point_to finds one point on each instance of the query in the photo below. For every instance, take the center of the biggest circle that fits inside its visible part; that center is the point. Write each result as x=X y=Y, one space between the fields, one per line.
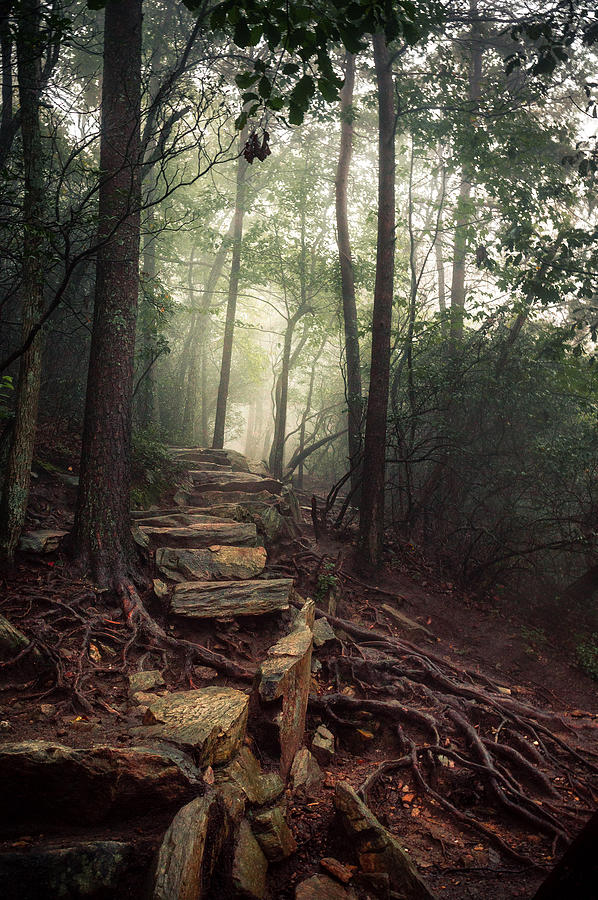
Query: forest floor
x=482 y=643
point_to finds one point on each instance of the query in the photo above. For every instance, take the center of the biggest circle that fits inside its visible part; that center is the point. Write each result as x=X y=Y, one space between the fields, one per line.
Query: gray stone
x=321 y=887
x=285 y=675
x=273 y=834
x=209 y=722
x=323 y=632
x=322 y=745
x=379 y=853
x=190 y=849
x=90 y=869
x=214 y=562
x=232 y=481
x=306 y=775
x=245 y=772
x=227 y=599
x=145 y=681
x=160 y=589
x=51 y=784
x=44 y=540
x=249 y=866
x=201 y=535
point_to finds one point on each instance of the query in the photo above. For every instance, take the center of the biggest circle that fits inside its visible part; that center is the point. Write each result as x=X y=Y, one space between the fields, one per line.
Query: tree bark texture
x=102 y=537
x=352 y=356
x=371 y=525
x=231 y=305
x=17 y=474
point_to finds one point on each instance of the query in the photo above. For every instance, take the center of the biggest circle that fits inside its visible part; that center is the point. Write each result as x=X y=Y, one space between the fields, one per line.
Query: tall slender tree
x=352 y=357
x=17 y=474
x=101 y=536
x=233 y=291
x=371 y=523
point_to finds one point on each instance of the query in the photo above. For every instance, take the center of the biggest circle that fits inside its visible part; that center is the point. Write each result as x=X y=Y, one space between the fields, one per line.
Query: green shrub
x=154 y=471
x=587 y=656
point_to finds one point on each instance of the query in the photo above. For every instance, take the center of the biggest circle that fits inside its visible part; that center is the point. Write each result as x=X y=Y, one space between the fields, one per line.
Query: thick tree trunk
x=146 y=403
x=102 y=537
x=17 y=476
x=231 y=305
x=352 y=357
x=465 y=188
x=371 y=525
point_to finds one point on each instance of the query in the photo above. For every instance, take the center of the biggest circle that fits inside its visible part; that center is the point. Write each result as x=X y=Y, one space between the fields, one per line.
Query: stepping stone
x=220 y=457
x=190 y=849
x=227 y=599
x=44 y=540
x=202 y=535
x=215 y=562
x=321 y=887
x=232 y=481
x=266 y=517
x=209 y=722
x=85 y=869
x=46 y=782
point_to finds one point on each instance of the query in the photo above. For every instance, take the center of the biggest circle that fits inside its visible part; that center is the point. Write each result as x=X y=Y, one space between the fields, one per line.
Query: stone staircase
x=218 y=820
x=215 y=552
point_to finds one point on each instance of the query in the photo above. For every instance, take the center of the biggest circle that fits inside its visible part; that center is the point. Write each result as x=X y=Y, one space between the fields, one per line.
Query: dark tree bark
x=101 y=538
x=371 y=525
x=276 y=458
x=17 y=475
x=352 y=357
x=231 y=304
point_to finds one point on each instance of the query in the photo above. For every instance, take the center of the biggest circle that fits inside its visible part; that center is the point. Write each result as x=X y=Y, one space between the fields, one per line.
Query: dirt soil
x=84 y=702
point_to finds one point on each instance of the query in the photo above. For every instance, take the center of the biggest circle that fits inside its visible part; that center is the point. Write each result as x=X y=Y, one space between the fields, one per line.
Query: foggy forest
x=298 y=449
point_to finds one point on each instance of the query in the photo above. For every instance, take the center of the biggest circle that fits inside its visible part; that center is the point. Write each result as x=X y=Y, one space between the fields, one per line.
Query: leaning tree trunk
x=353 y=364
x=371 y=524
x=17 y=474
x=102 y=537
x=231 y=305
x=276 y=459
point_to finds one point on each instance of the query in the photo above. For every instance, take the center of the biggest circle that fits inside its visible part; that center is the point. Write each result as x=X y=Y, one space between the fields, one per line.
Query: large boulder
x=191 y=848
x=213 y=562
x=51 y=784
x=92 y=870
x=201 y=535
x=210 y=723
x=273 y=834
x=283 y=682
x=378 y=851
x=227 y=599
x=43 y=540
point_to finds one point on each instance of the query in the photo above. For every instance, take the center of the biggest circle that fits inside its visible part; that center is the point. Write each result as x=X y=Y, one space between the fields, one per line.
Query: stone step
x=204 y=463
x=177 y=518
x=215 y=497
x=214 y=562
x=228 y=599
x=206 y=480
x=196 y=537
x=222 y=457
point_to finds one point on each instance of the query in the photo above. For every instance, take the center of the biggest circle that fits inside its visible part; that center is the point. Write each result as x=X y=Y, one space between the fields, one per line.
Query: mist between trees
x=370 y=262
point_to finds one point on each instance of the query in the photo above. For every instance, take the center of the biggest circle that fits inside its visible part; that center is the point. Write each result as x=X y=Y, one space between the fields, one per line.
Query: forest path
x=481 y=775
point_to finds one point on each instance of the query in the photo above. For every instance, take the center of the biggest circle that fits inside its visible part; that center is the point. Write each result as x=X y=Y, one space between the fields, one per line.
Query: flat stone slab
x=49 y=783
x=228 y=599
x=214 y=562
x=44 y=540
x=245 y=773
x=176 y=519
x=213 y=497
x=86 y=869
x=209 y=722
x=249 y=865
x=321 y=887
x=202 y=535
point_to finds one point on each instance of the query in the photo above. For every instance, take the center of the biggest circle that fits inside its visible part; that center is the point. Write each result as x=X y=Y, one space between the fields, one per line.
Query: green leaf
x=276 y=102
x=241 y=34
x=328 y=89
x=296 y=114
x=246 y=79
x=264 y=87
